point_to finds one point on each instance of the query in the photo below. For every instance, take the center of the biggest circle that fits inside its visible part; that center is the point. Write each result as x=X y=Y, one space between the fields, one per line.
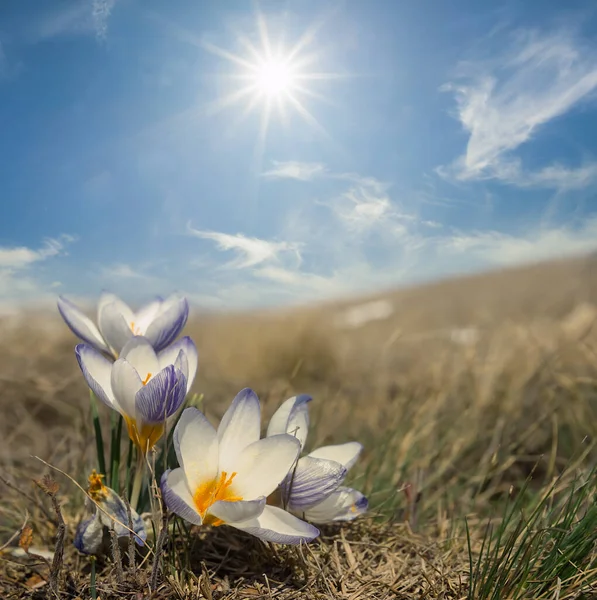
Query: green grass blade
x=99 y=440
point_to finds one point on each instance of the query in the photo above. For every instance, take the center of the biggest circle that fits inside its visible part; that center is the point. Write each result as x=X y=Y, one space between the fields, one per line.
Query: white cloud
x=123 y=271
x=250 y=251
x=101 y=10
x=19 y=257
x=503 y=103
x=498 y=248
x=293 y=169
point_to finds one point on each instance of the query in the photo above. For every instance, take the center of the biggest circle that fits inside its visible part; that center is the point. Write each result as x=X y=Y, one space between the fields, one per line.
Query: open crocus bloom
x=159 y=321
x=313 y=489
x=91 y=533
x=144 y=387
x=225 y=475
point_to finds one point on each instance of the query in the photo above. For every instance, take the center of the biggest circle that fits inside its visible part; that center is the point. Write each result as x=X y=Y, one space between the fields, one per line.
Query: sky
x=265 y=154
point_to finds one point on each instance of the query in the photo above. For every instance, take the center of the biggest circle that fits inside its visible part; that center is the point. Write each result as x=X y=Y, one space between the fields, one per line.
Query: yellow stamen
x=134 y=329
x=147 y=378
x=97 y=490
x=353 y=508
x=147 y=438
x=210 y=492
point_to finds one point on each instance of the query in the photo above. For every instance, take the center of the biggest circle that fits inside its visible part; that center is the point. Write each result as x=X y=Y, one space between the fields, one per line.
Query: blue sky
x=404 y=141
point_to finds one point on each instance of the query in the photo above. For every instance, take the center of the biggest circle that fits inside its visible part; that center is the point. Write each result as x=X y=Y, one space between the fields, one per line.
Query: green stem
x=129 y=464
x=138 y=481
x=99 y=440
x=92 y=586
x=115 y=454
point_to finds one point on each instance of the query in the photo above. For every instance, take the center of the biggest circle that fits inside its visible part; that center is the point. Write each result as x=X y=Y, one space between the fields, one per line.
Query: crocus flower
x=313 y=489
x=159 y=321
x=90 y=534
x=144 y=387
x=226 y=475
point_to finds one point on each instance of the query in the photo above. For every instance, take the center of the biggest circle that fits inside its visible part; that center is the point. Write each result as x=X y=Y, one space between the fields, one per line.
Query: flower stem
x=99 y=440
x=138 y=481
x=93 y=585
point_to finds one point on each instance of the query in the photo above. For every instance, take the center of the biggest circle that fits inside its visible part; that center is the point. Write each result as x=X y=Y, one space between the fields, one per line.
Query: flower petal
x=234 y=512
x=346 y=454
x=239 y=427
x=97 y=370
x=169 y=355
x=292 y=417
x=177 y=497
x=169 y=322
x=146 y=314
x=82 y=326
x=278 y=526
x=117 y=517
x=345 y=504
x=89 y=535
x=162 y=396
x=196 y=446
x=114 y=321
x=141 y=355
x=263 y=465
x=312 y=481
x=125 y=385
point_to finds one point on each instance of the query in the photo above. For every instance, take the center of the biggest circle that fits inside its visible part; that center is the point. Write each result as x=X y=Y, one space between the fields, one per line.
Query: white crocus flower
x=313 y=489
x=144 y=387
x=159 y=321
x=225 y=475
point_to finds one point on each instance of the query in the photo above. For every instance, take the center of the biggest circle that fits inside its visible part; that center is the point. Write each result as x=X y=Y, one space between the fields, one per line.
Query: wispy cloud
x=123 y=271
x=503 y=103
x=19 y=257
x=101 y=10
x=498 y=248
x=293 y=169
x=250 y=251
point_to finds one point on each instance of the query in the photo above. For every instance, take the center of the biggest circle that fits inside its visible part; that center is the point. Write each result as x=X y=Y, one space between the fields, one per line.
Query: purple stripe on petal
x=81 y=325
x=162 y=396
x=167 y=325
x=312 y=481
x=174 y=480
x=115 y=507
x=89 y=535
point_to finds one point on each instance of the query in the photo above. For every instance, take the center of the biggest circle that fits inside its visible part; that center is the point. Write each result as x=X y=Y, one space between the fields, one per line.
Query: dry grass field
x=478 y=461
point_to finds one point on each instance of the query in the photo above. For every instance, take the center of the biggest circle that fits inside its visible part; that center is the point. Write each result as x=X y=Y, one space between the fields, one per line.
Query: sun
x=273 y=78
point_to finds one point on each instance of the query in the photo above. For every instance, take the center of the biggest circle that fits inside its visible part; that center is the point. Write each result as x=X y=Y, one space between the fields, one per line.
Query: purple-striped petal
x=292 y=417
x=89 y=535
x=162 y=396
x=177 y=497
x=83 y=327
x=170 y=354
x=117 y=517
x=276 y=525
x=169 y=322
x=312 y=481
x=346 y=454
x=345 y=504
x=97 y=370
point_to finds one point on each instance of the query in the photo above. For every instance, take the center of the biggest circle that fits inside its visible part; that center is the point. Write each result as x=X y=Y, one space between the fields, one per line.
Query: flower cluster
x=134 y=364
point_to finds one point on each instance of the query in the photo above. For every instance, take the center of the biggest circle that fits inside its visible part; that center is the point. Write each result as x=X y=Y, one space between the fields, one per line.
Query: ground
x=475 y=401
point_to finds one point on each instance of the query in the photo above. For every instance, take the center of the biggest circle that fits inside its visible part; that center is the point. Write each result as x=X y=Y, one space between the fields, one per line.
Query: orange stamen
x=147 y=378
x=97 y=490
x=147 y=437
x=210 y=492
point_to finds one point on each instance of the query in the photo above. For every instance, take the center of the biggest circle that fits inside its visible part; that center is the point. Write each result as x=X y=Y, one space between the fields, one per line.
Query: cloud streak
x=293 y=169
x=503 y=104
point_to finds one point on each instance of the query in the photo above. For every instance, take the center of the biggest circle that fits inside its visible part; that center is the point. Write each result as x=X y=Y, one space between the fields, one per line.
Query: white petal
x=141 y=355
x=145 y=315
x=169 y=355
x=115 y=321
x=196 y=446
x=278 y=526
x=234 y=512
x=263 y=465
x=177 y=496
x=168 y=323
x=125 y=385
x=239 y=427
x=81 y=325
x=97 y=370
x=345 y=504
x=346 y=454
x=292 y=417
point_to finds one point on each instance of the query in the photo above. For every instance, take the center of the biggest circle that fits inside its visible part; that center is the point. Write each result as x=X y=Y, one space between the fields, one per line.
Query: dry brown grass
x=449 y=430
